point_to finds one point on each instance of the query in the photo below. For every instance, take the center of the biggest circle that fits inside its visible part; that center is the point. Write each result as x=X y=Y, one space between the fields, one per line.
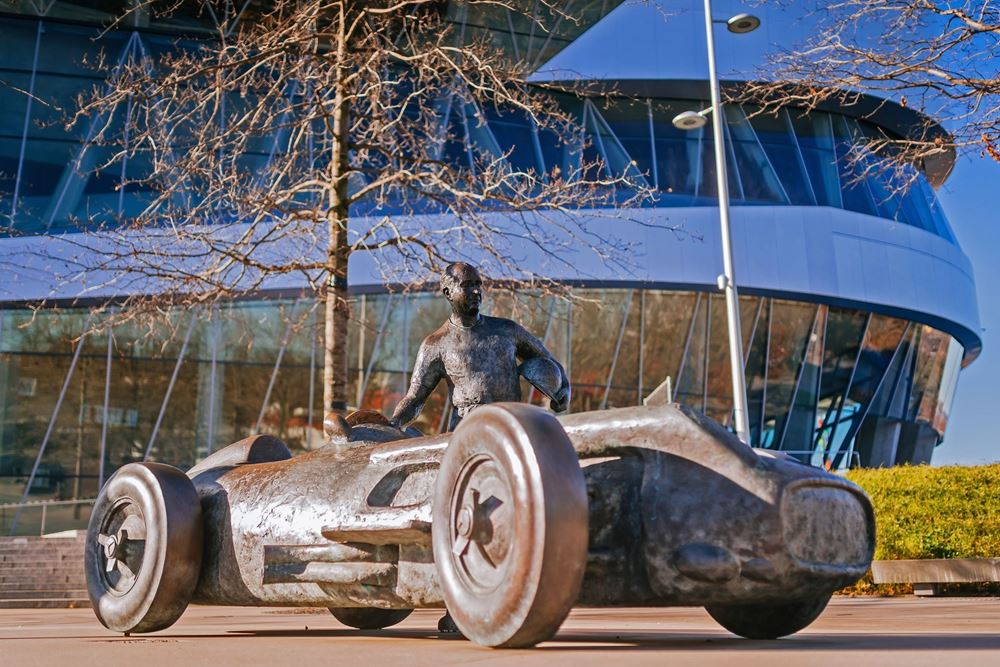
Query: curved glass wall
x=49 y=178
x=511 y=31
x=823 y=382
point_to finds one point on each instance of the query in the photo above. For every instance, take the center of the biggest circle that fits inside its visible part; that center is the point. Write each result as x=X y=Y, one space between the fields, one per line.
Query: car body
x=517 y=515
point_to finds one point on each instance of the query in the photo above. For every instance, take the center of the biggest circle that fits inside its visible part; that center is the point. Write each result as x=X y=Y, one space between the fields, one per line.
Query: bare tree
x=939 y=58
x=327 y=128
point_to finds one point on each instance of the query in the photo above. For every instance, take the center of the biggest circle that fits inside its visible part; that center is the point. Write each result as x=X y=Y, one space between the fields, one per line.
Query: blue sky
x=970 y=200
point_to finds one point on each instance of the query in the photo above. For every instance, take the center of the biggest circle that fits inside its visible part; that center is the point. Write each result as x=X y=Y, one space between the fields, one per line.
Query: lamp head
x=743 y=23
x=689 y=120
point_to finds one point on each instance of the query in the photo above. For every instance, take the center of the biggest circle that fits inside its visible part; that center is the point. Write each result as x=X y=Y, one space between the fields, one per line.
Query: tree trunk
x=336 y=306
x=337 y=314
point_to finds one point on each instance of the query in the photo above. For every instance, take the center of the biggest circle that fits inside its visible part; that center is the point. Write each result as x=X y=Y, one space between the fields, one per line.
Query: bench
x=928 y=575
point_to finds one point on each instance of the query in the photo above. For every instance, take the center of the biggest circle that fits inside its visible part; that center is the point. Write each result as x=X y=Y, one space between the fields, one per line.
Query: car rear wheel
x=768 y=621
x=510 y=525
x=144 y=548
x=369 y=618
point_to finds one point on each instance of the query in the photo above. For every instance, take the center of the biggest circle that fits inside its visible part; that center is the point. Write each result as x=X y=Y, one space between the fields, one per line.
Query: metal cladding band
x=510 y=516
x=144 y=548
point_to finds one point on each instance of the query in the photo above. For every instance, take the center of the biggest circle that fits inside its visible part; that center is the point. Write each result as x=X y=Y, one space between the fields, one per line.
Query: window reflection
x=785 y=158
x=814 y=374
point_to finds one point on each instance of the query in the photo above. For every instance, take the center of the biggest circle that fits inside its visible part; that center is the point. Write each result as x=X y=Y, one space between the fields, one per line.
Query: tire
x=510 y=564
x=144 y=548
x=768 y=621
x=369 y=618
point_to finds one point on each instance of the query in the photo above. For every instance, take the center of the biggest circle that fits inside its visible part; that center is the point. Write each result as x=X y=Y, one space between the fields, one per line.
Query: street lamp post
x=690 y=120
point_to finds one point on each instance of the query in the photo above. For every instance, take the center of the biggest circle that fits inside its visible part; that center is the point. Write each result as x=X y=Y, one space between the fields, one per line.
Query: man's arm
x=427 y=372
x=529 y=347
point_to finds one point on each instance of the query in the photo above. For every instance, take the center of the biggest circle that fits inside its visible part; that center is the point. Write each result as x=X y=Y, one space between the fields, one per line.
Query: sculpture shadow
x=613 y=641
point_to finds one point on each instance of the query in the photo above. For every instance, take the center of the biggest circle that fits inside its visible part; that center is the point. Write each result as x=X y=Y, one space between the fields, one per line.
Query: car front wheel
x=144 y=548
x=768 y=621
x=369 y=618
x=510 y=525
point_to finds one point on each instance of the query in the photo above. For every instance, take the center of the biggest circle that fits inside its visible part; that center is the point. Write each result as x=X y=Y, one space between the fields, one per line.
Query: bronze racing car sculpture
x=508 y=522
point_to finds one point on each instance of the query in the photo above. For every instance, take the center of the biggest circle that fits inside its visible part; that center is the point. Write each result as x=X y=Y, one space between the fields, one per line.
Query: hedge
x=925 y=512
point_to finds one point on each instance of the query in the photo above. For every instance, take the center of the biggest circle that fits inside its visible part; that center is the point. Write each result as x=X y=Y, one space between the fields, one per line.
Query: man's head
x=463 y=287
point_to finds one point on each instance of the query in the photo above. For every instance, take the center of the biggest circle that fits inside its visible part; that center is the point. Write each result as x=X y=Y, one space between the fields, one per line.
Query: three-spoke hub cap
x=481 y=523
x=123 y=541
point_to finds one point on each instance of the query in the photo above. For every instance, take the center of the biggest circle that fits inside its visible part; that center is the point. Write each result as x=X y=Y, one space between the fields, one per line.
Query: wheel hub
x=464 y=522
x=122 y=540
x=481 y=523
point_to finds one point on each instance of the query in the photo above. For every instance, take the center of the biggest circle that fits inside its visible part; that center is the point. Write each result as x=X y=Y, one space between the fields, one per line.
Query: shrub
x=924 y=512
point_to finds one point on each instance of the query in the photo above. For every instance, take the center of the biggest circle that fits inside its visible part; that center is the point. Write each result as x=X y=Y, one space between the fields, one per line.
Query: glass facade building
x=833 y=379
x=49 y=180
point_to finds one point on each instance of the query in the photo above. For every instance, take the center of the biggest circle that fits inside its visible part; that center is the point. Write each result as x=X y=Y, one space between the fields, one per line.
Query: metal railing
x=851 y=459
x=14 y=509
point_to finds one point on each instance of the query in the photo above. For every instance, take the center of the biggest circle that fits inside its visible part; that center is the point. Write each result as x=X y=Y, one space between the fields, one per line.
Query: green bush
x=924 y=512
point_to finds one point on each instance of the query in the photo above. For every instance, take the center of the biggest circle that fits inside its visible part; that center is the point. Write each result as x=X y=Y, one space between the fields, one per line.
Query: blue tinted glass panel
x=886 y=199
x=775 y=135
x=481 y=140
x=886 y=181
x=630 y=124
x=791 y=170
x=79 y=51
x=678 y=164
x=558 y=158
x=593 y=166
x=562 y=159
x=513 y=134
x=13 y=103
x=619 y=163
x=455 y=152
x=9 y=150
x=938 y=219
x=853 y=182
x=814 y=135
x=44 y=165
x=707 y=187
x=759 y=180
x=914 y=211
x=17 y=48
x=679 y=156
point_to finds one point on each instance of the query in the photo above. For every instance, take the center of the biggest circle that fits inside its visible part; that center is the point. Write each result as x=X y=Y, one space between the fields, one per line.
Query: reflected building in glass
x=857 y=304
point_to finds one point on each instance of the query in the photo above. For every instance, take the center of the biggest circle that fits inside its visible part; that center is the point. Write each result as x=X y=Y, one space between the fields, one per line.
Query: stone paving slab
x=854 y=632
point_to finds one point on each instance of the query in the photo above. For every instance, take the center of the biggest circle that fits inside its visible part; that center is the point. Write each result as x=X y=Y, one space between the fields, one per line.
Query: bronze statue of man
x=478 y=356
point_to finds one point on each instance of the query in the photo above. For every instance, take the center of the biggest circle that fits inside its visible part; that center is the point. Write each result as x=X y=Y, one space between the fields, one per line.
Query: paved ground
x=851 y=633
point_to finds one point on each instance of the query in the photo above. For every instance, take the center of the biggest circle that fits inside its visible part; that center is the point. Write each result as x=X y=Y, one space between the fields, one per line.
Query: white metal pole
x=727 y=281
